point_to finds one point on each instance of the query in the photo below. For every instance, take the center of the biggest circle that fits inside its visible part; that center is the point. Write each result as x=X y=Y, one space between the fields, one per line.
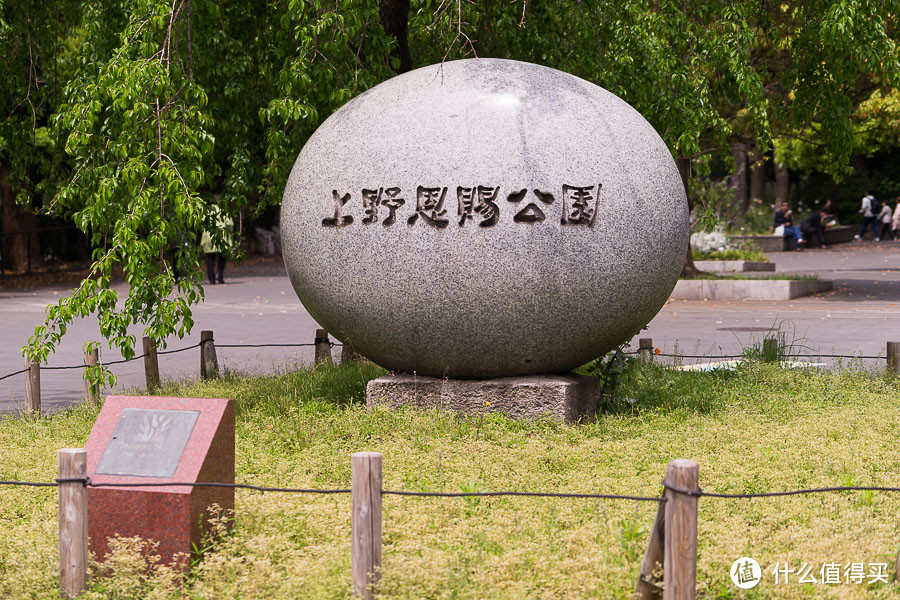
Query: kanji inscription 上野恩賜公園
x=478 y=200
x=386 y=197
x=474 y=203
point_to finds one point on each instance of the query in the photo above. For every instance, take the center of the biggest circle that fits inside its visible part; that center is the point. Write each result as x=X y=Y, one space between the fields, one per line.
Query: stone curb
x=747 y=289
x=733 y=266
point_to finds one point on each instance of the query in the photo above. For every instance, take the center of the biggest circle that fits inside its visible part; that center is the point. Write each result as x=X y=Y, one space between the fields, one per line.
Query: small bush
x=733 y=254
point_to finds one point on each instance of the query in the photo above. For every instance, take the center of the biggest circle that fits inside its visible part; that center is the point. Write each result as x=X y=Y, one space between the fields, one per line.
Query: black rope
x=87 y=482
x=333 y=344
x=112 y=362
x=31 y=483
x=700 y=492
x=720 y=357
x=263 y=345
x=7 y=376
x=834 y=356
x=786 y=356
x=533 y=494
x=197 y=345
x=245 y=486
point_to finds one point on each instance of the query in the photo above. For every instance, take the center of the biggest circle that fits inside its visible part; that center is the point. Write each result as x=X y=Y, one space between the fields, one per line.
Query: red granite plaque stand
x=172 y=516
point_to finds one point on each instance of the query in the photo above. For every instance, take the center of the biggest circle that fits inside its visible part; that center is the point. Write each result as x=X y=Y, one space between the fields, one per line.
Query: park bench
x=779 y=243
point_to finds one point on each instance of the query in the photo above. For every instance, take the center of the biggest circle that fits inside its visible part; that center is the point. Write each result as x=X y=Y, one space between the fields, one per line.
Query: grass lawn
x=753 y=430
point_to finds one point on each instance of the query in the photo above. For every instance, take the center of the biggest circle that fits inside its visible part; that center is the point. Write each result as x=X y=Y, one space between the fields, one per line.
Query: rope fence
x=700 y=493
x=673 y=535
x=209 y=364
x=771 y=350
x=117 y=362
x=323 y=345
x=786 y=355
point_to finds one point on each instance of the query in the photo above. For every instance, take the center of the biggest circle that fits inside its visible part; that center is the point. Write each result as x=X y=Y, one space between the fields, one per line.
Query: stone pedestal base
x=566 y=397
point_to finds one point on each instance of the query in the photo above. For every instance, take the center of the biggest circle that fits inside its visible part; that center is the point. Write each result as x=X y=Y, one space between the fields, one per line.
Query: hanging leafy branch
x=147 y=173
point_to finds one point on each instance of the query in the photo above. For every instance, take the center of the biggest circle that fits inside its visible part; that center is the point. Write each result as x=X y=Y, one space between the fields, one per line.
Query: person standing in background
x=884 y=220
x=869 y=211
x=896 y=221
x=215 y=257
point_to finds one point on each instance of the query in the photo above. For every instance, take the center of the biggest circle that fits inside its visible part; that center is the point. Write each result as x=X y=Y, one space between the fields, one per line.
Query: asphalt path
x=258 y=306
x=856 y=318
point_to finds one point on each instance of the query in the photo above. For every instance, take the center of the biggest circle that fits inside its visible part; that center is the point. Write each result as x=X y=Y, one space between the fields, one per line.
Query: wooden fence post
x=680 y=554
x=348 y=354
x=646 y=588
x=73 y=550
x=893 y=357
x=32 y=387
x=645 y=349
x=151 y=364
x=323 y=347
x=91 y=359
x=209 y=364
x=365 y=523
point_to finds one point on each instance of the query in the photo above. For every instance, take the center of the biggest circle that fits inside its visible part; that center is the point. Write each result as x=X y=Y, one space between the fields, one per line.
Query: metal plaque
x=147 y=443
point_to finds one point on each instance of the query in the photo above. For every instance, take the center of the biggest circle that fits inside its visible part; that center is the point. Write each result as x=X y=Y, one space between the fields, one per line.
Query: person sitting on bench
x=783 y=220
x=815 y=224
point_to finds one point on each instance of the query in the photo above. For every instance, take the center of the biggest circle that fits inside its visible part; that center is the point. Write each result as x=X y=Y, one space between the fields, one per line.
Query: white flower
x=709 y=242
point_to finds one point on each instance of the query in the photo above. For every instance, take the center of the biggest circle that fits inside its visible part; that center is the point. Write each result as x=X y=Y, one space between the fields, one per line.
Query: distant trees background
x=132 y=119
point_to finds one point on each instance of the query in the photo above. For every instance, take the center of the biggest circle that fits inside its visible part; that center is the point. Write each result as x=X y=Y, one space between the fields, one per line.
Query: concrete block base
x=569 y=398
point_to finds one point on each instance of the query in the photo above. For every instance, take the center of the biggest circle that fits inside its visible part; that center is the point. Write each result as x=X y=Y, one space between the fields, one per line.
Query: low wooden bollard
x=151 y=364
x=323 y=347
x=73 y=549
x=680 y=531
x=348 y=354
x=893 y=356
x=365 y=523
x=645 y=349
x=32 y=387
x=91 y=359
x=648 y=587
x=897 y=568
x=209 y=364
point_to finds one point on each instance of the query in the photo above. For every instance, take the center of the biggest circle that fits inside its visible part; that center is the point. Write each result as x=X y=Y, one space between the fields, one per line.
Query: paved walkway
x=258 y=305
x=857 y=317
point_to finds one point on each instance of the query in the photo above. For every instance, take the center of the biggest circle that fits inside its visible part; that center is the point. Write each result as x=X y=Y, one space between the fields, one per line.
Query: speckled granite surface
x=486 y=218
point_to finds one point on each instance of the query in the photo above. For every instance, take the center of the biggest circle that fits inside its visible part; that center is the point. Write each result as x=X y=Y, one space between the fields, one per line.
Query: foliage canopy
x=137 y=118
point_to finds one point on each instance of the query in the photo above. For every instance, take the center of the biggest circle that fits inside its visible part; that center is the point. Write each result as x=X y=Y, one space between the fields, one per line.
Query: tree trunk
x=739 y=178
x=689 y=270
x=19 y=251
x=757 y=176
x=394 y=19
x=782 y=183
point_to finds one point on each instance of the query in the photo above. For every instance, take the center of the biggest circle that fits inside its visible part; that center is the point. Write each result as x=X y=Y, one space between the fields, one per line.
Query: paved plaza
x=258 y=306
x=856 y=318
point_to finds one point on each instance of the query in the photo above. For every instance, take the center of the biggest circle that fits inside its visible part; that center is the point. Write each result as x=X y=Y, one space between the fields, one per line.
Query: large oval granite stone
x=487 y=218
